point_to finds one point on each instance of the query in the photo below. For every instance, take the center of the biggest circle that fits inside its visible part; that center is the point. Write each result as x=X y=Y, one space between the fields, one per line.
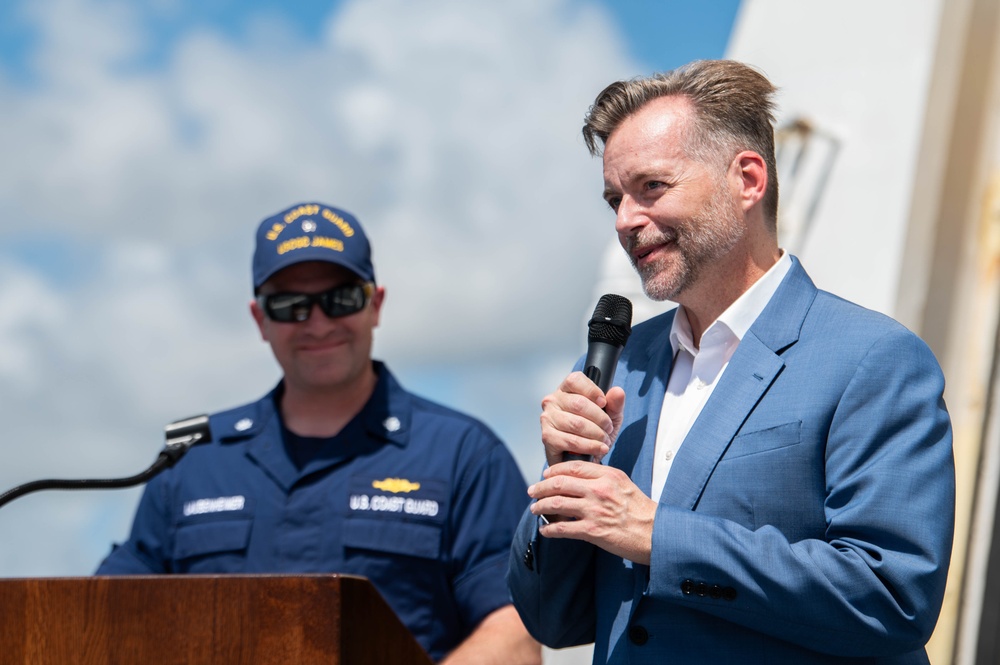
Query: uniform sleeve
x=144 y=553
x=490 y=497
x=875 y=583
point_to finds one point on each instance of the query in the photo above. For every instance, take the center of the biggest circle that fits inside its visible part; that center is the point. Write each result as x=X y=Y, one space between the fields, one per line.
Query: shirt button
x=669 y=455
x=638 y=635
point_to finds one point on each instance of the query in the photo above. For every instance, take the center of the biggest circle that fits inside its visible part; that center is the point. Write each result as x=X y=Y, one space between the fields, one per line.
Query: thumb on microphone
x=614 y=407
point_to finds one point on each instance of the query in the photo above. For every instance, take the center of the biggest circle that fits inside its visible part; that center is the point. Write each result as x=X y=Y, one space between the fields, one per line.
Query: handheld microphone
x=607 y=332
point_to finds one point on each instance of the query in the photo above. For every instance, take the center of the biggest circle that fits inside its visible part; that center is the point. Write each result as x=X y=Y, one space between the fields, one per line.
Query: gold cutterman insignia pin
x=395 y=485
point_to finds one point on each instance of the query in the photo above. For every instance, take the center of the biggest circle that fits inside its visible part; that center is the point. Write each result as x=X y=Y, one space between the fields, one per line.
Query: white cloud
x=450 y=128
x=28 y=308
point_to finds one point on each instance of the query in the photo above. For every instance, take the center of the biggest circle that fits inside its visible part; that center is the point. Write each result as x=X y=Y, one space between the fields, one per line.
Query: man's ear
x=378 y=297
x=749 y=173
x=259 y=318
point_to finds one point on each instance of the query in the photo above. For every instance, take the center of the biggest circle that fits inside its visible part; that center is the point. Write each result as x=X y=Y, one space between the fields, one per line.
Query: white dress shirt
x=697 y=368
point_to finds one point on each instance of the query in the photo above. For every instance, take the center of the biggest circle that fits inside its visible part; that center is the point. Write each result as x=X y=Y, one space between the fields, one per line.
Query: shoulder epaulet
x=241 y=422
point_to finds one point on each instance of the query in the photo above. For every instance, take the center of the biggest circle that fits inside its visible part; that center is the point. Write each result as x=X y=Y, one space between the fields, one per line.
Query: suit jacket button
x=701 y=589
x=638 y=635
x=715 y=592
x=687 y=587
x=529 y=557
x=729 y=593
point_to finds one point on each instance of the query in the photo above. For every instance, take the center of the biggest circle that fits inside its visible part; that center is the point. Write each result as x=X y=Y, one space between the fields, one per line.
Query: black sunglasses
x=296 y=307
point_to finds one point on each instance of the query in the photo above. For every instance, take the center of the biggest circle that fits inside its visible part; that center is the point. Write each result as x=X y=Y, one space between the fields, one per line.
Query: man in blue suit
x=776 y=481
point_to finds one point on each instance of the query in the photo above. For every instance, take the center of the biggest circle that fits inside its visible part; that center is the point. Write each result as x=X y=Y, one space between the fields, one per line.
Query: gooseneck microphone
x=180 y=435
x=607 y=332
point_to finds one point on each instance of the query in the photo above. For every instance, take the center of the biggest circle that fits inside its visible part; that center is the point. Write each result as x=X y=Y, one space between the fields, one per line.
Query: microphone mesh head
x=612 y=320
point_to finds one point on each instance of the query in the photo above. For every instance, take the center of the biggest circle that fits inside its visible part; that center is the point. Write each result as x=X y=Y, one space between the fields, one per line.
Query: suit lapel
x=751 y=371
x=645 y=384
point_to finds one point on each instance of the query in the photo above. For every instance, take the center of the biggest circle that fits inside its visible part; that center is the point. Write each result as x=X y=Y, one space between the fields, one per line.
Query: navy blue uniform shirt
x=420 y=499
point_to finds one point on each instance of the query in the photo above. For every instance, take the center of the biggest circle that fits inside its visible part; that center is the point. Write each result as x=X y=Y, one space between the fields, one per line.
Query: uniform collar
x=387 y=414
x=386 y=417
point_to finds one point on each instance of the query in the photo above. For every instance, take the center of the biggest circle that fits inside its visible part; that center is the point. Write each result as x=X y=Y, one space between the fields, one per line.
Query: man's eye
x=654 y=184
x=614 y=202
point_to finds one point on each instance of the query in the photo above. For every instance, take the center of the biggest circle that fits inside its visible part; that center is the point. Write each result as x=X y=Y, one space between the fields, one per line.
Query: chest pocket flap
x=212 y=537
x=764 y=440
x=393 y=536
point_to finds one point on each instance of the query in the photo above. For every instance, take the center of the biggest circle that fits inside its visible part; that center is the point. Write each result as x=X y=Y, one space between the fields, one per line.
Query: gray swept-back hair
x=733 y=111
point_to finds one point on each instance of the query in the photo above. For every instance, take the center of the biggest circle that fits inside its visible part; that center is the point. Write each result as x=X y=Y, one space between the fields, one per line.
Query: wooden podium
x=201 y=620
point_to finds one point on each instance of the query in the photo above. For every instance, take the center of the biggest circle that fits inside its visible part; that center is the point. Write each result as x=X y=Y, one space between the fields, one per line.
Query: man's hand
x=583 y=500
x=579 y=418
x=598 y=504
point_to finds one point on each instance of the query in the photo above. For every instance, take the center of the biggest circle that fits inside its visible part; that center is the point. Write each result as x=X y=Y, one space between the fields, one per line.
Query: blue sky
x=141 y=142
x=660 y=34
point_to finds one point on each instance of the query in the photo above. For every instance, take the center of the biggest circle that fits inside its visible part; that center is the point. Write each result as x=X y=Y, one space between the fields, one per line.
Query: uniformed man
x=339 y=469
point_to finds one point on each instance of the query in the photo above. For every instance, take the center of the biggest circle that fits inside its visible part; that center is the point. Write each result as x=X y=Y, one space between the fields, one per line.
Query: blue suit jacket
x=807 y=517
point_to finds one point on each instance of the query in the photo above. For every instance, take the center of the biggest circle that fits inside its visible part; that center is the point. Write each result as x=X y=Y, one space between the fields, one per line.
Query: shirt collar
x=733 y=323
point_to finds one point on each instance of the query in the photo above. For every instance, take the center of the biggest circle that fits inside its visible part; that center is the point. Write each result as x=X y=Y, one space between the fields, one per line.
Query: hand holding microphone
x=591 y=502
x=608 y=330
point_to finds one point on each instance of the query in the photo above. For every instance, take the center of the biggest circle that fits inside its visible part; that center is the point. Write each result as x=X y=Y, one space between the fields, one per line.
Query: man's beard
x=699 y=241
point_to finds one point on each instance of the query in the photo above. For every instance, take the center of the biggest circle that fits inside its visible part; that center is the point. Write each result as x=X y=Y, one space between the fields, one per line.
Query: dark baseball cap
x=311 y=232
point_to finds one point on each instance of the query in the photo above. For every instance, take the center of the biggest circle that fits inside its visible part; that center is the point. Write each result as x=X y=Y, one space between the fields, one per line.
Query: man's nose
x=630 y=217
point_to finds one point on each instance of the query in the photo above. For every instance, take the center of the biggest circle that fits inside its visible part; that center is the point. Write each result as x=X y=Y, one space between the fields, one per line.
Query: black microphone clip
x=182 y=434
